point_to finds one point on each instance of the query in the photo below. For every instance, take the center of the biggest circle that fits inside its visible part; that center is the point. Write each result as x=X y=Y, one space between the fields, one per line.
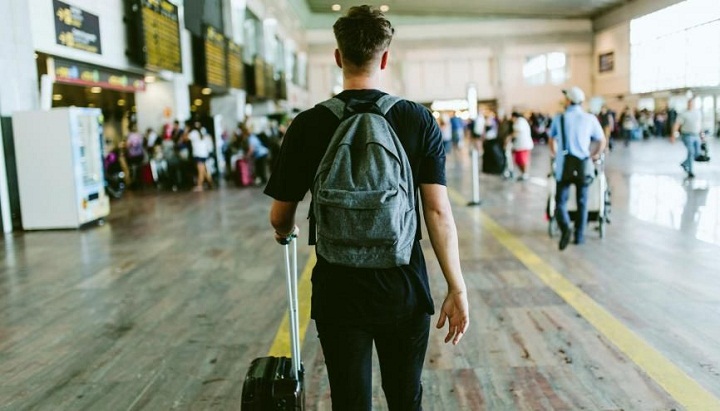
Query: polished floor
x=165 y=305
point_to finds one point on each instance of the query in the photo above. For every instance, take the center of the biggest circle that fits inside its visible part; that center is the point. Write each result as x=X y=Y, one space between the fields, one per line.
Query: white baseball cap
x=574 y=94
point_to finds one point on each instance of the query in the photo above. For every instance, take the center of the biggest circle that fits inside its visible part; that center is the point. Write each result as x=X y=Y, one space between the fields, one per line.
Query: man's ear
x=338 y=58
x=384 y=60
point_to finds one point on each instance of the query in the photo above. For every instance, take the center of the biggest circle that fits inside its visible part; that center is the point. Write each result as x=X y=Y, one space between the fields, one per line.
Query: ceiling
x=480 y=8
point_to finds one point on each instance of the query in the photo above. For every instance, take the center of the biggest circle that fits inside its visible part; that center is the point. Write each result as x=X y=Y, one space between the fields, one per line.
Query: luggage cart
x=599 y=205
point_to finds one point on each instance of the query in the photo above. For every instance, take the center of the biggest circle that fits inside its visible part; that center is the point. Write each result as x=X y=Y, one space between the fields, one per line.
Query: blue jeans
x=401 y=348
x=561 y=212
x=692 y=144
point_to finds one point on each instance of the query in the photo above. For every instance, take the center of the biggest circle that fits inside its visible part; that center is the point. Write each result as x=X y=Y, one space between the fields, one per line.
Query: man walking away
x=578 y=128
x=357 y=306
x=689 y=125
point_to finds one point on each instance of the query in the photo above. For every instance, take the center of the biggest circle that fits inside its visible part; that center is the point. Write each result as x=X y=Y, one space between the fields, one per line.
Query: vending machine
x=59 y=156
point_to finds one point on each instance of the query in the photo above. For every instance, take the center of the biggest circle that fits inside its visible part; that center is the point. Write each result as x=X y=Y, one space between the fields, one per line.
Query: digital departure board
x=215 y=66
x=156 y=44
x=236 y=68
x=269 y=81
x=260 y=88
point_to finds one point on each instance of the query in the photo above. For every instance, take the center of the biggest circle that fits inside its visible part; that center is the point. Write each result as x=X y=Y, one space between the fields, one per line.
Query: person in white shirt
x=478 y=131
x=201 y=151
x=689 y=125
x=522 y=144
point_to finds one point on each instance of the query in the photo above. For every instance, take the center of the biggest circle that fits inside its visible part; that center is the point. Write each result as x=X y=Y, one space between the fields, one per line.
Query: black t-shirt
x=360 y=295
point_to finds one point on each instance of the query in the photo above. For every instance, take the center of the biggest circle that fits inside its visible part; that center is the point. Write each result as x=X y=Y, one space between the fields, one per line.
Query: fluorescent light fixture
x=336 y=7
x=206 y=91
x=96 y=90
x=57 y=97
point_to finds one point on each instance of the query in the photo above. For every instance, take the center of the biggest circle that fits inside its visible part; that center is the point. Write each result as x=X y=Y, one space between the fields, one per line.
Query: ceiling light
x=96 y=90
x=206 y=91
x=336 y=7
x=198 y=102
x=121 y=102
x=384 y=8
x=149 y=79
x=57 y=97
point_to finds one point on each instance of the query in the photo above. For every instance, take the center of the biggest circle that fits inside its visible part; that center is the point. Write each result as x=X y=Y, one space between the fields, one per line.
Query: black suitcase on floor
x=493 y=158
x=276 y=383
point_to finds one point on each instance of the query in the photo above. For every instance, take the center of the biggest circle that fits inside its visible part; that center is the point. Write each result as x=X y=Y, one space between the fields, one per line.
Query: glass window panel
x=534 y=65
x=250 y=48
x=703 y=56
x=556 y=61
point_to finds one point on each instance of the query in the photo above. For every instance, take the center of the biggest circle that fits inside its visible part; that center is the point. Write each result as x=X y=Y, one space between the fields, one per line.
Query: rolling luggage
x=276 y=383
x=493 y=158
x=243 y=174
x=147 y=176
x=703 y=154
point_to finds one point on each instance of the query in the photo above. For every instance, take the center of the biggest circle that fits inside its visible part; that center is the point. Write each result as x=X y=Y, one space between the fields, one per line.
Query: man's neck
x=361 y=82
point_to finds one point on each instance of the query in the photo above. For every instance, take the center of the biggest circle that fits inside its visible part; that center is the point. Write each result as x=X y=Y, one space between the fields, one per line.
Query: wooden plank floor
x=164 y=306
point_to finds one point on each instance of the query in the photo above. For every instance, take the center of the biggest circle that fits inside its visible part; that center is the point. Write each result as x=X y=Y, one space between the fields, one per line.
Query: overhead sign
x=215 y=66
x=161 y=34
x=76 y=28
x=83 y=74
x=236 y=69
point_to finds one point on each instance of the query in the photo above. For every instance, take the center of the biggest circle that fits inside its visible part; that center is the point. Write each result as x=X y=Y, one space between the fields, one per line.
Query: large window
x=252 y=28
x=545 y=68
x=676 y=47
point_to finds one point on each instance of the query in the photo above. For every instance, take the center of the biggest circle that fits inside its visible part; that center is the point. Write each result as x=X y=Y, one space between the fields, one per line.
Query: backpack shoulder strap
x=386 y=102
x=335 y=105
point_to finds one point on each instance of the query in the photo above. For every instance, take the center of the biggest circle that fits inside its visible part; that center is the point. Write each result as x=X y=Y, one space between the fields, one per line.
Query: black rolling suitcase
x=493 y=159
x=276 y=383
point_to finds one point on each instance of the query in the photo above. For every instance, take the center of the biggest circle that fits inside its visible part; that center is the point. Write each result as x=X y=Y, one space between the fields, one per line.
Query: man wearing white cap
x=571 y=135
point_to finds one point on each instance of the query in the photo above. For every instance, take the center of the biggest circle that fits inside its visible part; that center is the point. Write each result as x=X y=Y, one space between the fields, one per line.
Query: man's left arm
x=597 y=135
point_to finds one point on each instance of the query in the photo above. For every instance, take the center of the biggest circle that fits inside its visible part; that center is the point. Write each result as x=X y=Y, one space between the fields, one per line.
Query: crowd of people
x=187 y=157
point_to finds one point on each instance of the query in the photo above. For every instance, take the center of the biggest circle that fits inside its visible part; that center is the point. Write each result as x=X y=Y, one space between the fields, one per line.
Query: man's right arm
x=443 y=237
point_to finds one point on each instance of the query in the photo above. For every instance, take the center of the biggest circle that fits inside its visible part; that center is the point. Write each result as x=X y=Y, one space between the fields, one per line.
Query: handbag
x=575 y=169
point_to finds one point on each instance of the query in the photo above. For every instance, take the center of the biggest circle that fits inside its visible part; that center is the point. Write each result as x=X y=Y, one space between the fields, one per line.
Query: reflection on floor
x=165 y=306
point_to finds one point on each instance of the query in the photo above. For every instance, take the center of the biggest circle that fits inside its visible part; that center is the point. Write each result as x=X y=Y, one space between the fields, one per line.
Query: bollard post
x=475 y=178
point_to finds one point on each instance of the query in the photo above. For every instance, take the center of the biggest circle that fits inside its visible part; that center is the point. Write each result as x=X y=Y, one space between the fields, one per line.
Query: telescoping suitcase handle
x=292 y=292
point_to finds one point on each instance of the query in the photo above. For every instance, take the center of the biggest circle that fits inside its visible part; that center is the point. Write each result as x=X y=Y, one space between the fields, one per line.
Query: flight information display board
x=158 y=43
x=215 y=67
x=236 y=68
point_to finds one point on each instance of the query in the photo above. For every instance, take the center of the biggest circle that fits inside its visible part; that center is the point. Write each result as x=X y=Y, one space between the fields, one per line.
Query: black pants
x=401 y=350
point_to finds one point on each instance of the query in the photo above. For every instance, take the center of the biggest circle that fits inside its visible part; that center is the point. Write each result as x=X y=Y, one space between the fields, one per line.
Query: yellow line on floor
x=281 y=344
x=686 y=391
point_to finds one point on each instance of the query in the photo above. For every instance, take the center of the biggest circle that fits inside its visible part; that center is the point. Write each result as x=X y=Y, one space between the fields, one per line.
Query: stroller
x=598 y=200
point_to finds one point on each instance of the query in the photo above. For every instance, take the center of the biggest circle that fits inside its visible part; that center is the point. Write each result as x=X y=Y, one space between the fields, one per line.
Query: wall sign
x=82 y=74
x=76 y=28
x=606 y=62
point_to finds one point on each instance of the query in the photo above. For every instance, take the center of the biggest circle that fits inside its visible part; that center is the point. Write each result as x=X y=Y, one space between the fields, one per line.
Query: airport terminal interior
x=138 y=264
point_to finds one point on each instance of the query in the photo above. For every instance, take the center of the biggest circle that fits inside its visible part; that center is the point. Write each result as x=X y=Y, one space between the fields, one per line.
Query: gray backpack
x=363 y=194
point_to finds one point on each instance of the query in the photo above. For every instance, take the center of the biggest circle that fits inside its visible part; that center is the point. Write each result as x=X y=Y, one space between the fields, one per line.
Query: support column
x=19 y=90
